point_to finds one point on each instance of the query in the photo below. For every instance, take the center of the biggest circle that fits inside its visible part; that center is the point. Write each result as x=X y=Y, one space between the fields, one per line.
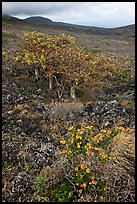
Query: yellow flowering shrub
x=60 y=55
x=87 y=149
x=53 y=54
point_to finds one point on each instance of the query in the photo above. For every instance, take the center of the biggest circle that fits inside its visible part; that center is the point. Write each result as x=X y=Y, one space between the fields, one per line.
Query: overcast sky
x=100 y=14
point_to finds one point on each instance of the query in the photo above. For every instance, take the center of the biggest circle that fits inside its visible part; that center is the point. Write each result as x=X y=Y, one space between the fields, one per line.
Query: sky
x=99 y=14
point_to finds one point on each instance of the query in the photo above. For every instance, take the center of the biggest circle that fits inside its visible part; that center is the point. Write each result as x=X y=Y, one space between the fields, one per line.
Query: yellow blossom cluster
x=71 y=128
x=83 y=148
x=62 y=141
x=53 y=53
x=103 y=155
x=78 y=137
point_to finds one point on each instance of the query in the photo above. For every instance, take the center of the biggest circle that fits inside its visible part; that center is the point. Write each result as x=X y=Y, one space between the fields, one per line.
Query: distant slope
x=44 y=21
x=38 y=20
x=125 y=31
x=11 y=19
x=128 y=30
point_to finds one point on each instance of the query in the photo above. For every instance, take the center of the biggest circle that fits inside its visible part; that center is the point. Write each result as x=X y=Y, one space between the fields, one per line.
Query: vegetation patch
x=56 y=148
x=9 y=35
x=64 y=64
x=82 y=152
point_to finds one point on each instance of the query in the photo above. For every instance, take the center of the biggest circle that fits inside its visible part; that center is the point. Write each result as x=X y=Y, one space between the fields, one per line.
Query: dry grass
x=126 y=103
x=53 y=173
x=123 y=151
x=121 y=172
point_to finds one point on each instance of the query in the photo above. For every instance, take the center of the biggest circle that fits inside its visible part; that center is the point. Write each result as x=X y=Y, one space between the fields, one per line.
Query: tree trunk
x=73 y=92
x=50 y=83
x=36 y=73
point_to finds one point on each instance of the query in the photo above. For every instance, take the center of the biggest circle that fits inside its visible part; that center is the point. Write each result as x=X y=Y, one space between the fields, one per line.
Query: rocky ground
x=31 y=121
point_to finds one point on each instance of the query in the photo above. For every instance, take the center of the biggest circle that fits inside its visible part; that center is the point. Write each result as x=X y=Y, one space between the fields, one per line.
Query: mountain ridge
x=127 y=31
x=43 y=21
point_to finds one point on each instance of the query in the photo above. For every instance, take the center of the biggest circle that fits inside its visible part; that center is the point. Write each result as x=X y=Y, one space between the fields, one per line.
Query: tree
x=59 y=56
x=50 y=55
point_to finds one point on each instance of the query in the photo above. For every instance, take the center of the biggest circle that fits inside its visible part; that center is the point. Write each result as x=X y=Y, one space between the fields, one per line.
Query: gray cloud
x=35 y=8
x=103 y=14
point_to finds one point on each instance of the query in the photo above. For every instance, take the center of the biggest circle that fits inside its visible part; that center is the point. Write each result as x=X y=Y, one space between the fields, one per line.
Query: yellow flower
x=88 y=144
x=95 y=148
x=78 y=137
x=42 y=57
x=103 y=131
x=121 y=128
x=109 y=132
x=28 y=61
x=79 y=130
x=98 y=136
x=94 y=182
x=62 y=152
x=88 y=170
x=92 y=177
x=90 y=147
x=78 y=145
x=84 y=185
x=80 y=190
x=71 y=128
x=110 y=158
x=62 y=141
x=72 y=141
x=105 y=188
x=76 y=169
x=102 y=179
x=103 y=156
x=17 y=58
x=70 y=152
x=87 y=152
x=83 y=166
x=76 y=174
x=89 y=127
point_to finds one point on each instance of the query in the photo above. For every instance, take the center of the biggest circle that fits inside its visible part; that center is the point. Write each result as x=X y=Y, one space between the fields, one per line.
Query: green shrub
x=39 y=185
x=94 y=49
x=123 y=74
x=8 y=35
x=61 y=192
x=58 y=193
